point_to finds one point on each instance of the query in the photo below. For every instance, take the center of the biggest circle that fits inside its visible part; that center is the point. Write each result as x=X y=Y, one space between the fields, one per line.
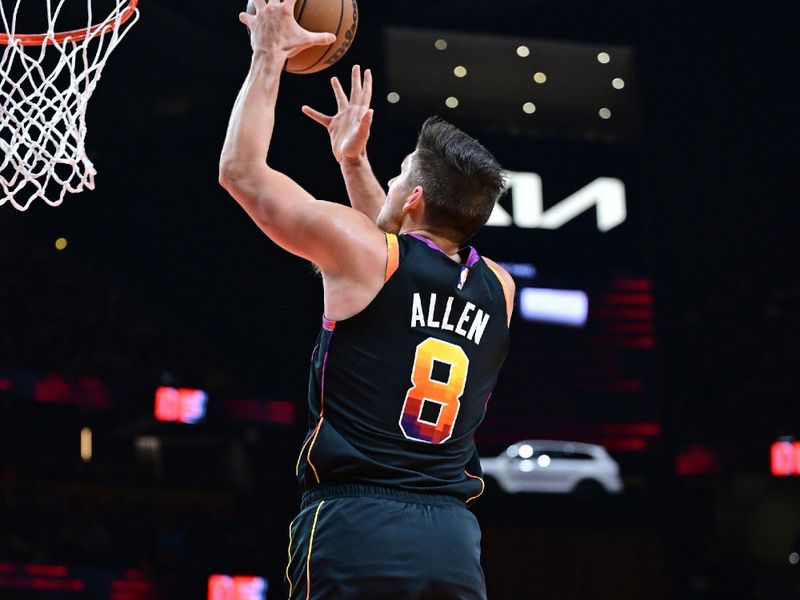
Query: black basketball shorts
x=363 y=542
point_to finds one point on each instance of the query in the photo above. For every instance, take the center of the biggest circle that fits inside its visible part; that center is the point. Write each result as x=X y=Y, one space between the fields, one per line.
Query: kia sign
x=605 y=193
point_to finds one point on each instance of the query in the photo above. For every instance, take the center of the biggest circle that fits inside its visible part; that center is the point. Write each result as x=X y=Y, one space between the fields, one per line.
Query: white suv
x=554 y=467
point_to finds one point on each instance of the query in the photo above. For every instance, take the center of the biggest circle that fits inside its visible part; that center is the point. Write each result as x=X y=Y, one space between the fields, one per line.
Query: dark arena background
x=154 y=345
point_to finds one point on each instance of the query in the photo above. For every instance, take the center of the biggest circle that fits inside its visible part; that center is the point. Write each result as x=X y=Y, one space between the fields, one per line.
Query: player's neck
x=442 y=243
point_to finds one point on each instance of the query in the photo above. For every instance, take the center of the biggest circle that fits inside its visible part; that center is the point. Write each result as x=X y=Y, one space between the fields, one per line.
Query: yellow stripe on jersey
x=311 y=447
x=300 y=456
x=483 y=486
x=392 y=255
x=289 y=560
x=310 y=546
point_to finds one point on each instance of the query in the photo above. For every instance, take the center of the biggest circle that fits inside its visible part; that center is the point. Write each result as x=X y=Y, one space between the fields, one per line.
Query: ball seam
x=328 y=49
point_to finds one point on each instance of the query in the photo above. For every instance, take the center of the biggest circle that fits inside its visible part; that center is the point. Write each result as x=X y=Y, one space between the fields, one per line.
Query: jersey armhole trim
x=392 y=256
x=504 y=285
x=483 y=486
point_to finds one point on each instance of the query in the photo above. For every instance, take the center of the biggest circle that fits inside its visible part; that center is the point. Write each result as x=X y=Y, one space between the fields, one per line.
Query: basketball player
x=414 y=334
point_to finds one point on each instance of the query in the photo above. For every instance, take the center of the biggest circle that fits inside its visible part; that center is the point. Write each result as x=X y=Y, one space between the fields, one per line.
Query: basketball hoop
x=46 y=81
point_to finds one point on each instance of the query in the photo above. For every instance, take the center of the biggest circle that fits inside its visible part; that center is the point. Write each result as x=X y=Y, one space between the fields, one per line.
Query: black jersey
x=397 y=391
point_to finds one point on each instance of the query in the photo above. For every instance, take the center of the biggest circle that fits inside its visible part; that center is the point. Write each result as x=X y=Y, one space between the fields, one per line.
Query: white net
x=46 y=81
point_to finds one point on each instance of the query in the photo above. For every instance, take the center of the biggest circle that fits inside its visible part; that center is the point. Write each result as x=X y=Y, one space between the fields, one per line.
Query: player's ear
x=415 y=199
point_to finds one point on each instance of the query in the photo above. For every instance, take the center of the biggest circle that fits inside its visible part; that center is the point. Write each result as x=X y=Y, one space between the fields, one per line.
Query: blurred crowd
x=58 y=314
x=170 y=535
x=739 y=349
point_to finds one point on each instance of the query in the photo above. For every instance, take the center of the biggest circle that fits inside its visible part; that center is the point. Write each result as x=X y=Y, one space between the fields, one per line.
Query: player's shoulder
x=505 y=278
x=507 y=283
x=346 y=224
x=354 y=245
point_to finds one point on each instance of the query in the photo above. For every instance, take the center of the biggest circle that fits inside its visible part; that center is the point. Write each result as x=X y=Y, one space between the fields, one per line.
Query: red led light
x=697 y=460
x=180 y=405
x=279 y=412
x=85 y=391
x=73 y=585
x=644 y=285
x=52 y=388
x=631 y=314
x=46 y=570
x=627 y=429
x=623 y=444
x=40 y=583
x=641 y=342
x=785 y=459
x=121 y=585
x=220 y=587
x=640 y=299
x=224 y=587
x=631 y=327
x=249 y=588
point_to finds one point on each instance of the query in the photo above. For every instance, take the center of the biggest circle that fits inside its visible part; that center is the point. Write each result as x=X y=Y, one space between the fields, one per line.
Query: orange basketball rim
x=76 y=35
x=46 y=81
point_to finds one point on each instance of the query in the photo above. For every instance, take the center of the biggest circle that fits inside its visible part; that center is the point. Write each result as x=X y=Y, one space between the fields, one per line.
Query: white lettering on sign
x=606 y=194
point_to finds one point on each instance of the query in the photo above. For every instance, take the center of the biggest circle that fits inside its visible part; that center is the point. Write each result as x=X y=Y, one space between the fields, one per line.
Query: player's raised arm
x=340 y=240
x=349 y=131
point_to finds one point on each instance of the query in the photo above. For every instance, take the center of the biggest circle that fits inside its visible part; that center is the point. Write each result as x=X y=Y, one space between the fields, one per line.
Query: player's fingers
x=321 y=39
x=365 y=124
x=260 y=4
x=246 y=18
x=319 y=117
x=308 y=40
x=341 y=97
x=355 y=84
x=366 y=92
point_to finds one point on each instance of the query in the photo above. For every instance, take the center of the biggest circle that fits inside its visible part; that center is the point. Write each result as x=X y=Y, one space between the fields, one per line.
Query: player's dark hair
x=461 y=179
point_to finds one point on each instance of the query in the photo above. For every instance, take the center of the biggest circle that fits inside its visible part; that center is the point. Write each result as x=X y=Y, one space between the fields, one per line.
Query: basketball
x=339 y=17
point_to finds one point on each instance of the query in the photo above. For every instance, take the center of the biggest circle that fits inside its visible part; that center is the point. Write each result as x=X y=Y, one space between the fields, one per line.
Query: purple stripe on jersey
x=322 y=378
x=327 y=325
x=473 y=258
x=321 y=408
x=486 y=404
x=489 y=397
x=427 y=241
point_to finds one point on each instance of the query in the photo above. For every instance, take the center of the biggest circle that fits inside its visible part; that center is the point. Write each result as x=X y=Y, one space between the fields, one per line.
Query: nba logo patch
x=463 y=278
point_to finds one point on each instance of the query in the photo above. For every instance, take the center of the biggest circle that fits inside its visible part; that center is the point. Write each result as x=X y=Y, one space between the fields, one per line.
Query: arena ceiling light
x=520 y=85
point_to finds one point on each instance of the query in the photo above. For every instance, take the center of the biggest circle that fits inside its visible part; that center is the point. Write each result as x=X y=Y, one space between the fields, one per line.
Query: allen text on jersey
x=468 y=323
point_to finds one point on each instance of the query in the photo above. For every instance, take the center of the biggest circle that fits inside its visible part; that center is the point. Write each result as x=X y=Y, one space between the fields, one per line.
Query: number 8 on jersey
x=426 y=390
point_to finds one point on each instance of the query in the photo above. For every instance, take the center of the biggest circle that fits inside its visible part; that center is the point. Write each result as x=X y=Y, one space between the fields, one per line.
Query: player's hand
x=349 y=127
x=274 y=30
